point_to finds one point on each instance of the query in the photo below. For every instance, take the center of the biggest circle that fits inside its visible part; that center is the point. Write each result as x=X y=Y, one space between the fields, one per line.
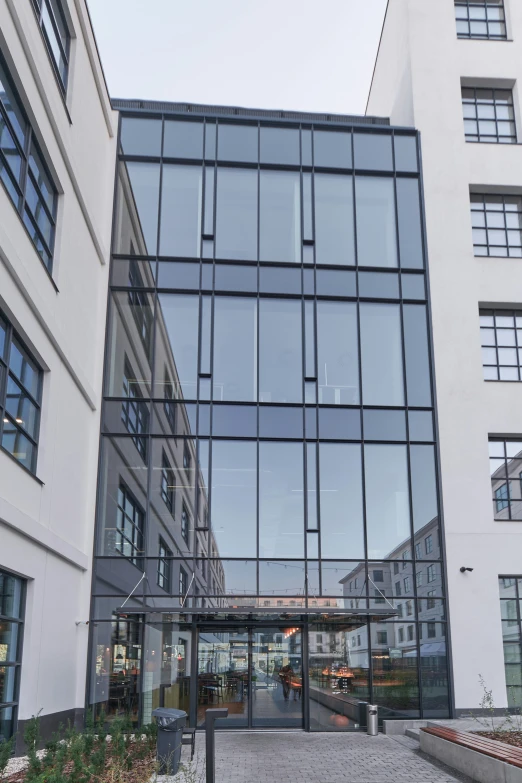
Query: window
x=501 y=341
x=480 y=19
x=405 y=556
x=164 y=566
x=418 y=551
x=134 y=411
x=430 y=603
x=185 y=520
x=497 y=225
x=489 y=115
x=378 y=576
x=183 y=583
x=432 y=630
x=20 y=398
x=399 y=610
x=56 y=35
x=167 y=483
x=432 y=572
x=168 y=406
x=505 y=458
x=23 y=173
x=410 y=633
x=409 y=608
x=140 y=307
x=418 y=579
x=395 y=568
x=407 y=584
x=401 y=635
x=510 y=611
x=130 y=523
x=12 y=593
x=398 y=588
x=382 y=637
x=358 y=640
x=428 y=544
x=187 y=457
x=378 y=597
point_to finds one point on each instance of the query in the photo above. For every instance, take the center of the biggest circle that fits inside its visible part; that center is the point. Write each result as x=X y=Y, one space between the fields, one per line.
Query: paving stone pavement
x=266 y=757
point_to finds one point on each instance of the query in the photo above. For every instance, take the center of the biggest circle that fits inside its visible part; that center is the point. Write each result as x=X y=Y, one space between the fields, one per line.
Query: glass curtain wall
x=268 y=438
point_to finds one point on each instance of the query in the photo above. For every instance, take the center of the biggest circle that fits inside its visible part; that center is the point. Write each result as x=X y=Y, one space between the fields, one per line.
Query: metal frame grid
x=496 y=221
x=481 y=19
x=489 y=115
x=501 y=343
x=16 y=664
x=505 y=456
x=511 y=614
x=55 y=32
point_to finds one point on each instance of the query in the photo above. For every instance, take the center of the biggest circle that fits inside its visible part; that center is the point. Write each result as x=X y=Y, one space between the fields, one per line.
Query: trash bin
x=372 y=727
x=170 y=730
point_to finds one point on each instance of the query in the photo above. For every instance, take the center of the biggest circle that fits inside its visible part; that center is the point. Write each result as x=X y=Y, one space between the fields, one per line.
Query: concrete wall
x=424 y=35
x=47 y=522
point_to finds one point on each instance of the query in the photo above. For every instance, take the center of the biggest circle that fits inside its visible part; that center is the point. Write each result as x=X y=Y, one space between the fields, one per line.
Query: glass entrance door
x=255 y=672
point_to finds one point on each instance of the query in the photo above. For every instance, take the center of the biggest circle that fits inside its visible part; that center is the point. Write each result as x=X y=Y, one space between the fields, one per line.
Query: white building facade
x=453 y=69
x=57 y=159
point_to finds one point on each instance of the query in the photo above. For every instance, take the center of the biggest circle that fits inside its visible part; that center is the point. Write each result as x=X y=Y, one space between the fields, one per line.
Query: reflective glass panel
x=384 y=425
x=233 y=504
x=234 y=421
x=140 y=136
x=277 y=422
x=238 y=143
x=279 y=280
x=373 y=151
x=409 y=217
x=236 y=215
x=231 y=277
x=418 y=381
x=405 y=153
x=334 y=282
x=280 y=145
x=143 y=187
x=423 y=485
x=281 y=500
x=334 y=231
x=376 y=230
x=340 y=481
x=379 y=285
x=280 y=351
x=235 y=349
x=177 y=342
x=182 y=193
x=337 y=351
x=183 y=139
x=382 y=367
x=339 y=424
x=175 y=274
x=333 y=149
x=387 y=498
x=280 y=216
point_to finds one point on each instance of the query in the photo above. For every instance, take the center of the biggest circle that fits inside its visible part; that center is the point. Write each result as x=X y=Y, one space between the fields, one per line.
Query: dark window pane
x=3 y=328
x=173 y=274
x=333 y=149
x=339 y=424
x=24 y=368
x=231 y=277
x=178 y=320
x=280 y=216
x=144 y=181
x=410 y=236
x=380 y=285
x=340 y=476
x=45 y=185
x=337 y=350
x=376 y=231
x=387 y=498
x=236 y=218
x=280 y=422
x=334 y=232
x=281 y=500
x=17 y=444
x=418 y=382
x=181 y=197
x=12 y=107
x=423 y=485
x=384 y=425
x=405 y=153
x=280 y=351
x=140 y=136
x=280 y=145
x=381 y=348
x=331 y=282
x=373 y=151
x=38 y=213
x=21 y=409
x=183 y=139
x=275 y=280
x=230 y=421
x=233 y=509
x=413 y=286
x=238 y=143
x=235 y=349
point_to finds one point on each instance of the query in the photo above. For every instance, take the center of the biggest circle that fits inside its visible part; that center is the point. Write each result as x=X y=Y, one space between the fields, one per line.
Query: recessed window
x=130 y=523
x=398 y=590
x=185 y=523
x=497 y=225
x=183 y=583
x=140 y=307
x=407 y=584
x=379 y=598
x=480 y=19
x=169 y=406
x=400 y=635
x=167 y=483
x=12 y=591
x=51 y=19
x=20 y=398
x=489 y=115
x=418 y=578
x=410 y=633
x=378 y=576
x=501 y=342
x=187 y=457
x=382 y=637
x=505 y=459
x=432 y=572
x=432 y=630
x=164 y=566
x=23 y=172
x=431 y=602
x=134 y=411
x=428 y=544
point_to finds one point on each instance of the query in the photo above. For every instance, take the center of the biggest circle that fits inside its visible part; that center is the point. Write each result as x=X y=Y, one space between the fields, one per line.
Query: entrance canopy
x=263 y=613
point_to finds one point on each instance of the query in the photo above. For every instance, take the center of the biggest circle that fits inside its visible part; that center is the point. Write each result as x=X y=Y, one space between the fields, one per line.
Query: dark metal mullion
x=5 y=117
x=57 y=33
x=41 y=197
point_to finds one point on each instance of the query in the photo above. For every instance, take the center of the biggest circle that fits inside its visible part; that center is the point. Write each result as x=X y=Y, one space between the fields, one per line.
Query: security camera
x=463 y=569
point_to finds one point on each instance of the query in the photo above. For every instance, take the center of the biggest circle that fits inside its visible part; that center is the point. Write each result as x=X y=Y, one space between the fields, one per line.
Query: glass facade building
x=268 y=531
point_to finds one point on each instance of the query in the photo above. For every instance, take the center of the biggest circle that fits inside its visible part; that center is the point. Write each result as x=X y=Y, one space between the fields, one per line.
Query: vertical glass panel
x=373 y=151
x=166 y=685
x=309 y=280
x=337 y=351
x=423 y=485
x=177 y=343
x=238 y=142
x=310 y=368
x=3 y=328
x=308 y=231
x=413 y=287
x=223 y=674
x=387 y=498
x=409 y=218
x=183 y=139
x=395 y=679
x=280 y=145
x=281 y=500
x=405 y=153
x=207 y=251
x=206 y=334
x=11 y=591
x=308 y=255
x=421 y=425
x=141 y=195
x=285 y=579
x=233 y=505
x=235 y=349
x=140 y=136
x=278 y=677
x=333 y=149
x=306 y=147
x=209 y=201
x=236 y=214
x=376 y=231
x=130 y=342
x=434 y=673
x=310 y=418
x=418 y=381
x=280 y=351
x=334 y=231
x=280 y=216
x=339 y=423
x=181 y=207
x=384 y=425
x=234 y=421
x=172 y=509
x=381 y=349
x=340 y=482
x=311 y=489
x=210 y=140
x=207 y=274
x=312 y=546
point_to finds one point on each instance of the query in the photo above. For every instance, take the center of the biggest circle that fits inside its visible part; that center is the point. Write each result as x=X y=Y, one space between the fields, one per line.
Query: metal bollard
x=372 y=726
x=210 y=718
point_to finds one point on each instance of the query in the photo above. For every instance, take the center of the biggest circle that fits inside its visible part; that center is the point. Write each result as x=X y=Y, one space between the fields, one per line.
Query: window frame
x=133 y=402
x=479 y=99
x=38 y=7
x=479 y=206
x=468 y=4
x=164 y=573
x=17 y=663
x=137 y=553
x=505 y=339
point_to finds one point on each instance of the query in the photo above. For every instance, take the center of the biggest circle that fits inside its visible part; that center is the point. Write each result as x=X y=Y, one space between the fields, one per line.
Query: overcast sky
x=279 y=54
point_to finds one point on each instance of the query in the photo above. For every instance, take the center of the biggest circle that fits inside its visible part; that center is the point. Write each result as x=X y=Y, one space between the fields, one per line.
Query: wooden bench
x=492 y=748
x=189 y=738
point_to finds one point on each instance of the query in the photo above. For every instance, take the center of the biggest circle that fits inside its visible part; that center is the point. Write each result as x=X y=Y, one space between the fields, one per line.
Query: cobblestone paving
x=264 y=757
